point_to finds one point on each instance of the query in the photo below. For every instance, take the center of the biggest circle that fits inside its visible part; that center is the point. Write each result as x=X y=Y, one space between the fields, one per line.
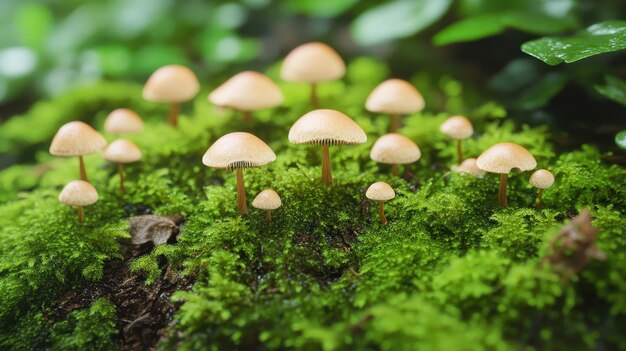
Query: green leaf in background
x=620 y=139
x=615 y=89
x=397 y=19
x=469 y=29
x=597 y=39
x=540 y=93
x=33 y=22
x=322 y=8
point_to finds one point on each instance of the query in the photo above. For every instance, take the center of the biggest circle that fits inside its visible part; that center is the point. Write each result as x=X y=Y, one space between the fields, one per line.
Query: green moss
x=92 y=328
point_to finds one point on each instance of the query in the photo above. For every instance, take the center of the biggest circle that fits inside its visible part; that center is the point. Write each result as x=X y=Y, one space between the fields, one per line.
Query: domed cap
x=267 y=199
x=394 y=148
x=78 y=193
x=457 y=127
x=123 y=121
x=170 y=84
x=380 y=191
x=328 y=127
x=503 y=157
x=122 y=151
x=395 y=96
x=542 y=179
x=238 y=150
x=312 y=63
x=247 y=91
x=76 y=139
x=468 y=166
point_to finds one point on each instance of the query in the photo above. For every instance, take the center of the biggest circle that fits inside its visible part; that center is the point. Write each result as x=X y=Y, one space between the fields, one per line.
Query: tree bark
x=327 y=176
x=502 y=202
x=241 y=193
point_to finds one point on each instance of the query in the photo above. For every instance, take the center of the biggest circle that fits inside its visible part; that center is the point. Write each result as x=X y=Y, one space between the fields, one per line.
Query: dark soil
x=143 y=311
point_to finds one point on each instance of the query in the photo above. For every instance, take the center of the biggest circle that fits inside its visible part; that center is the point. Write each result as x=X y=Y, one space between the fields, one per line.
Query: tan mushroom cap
x=457 y=127
x=78 y=193
x=238 y=150
x=267 y=199
x=312 y=63
x=76 y=139
x=395 y=96
x=380 y=191
x=123 y=121
x=247 y=91
x=503 y=157
x=468 y=166
x=171 y=84
x=328 y=127
x=395 y=148
x=122 y=151
x=542 y=179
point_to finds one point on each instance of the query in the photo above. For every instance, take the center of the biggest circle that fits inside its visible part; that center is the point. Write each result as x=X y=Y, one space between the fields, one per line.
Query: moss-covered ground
x=451 y=271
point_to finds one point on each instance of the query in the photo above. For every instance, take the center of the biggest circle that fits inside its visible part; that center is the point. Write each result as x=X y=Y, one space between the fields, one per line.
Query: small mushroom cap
x=468 y=166
x=503 y=157
x=312 y=63
x=380 y=191
x=76 y=139
x=395 y=96
x=457 y=127
x=328 y=127
x=542 y=179
x=123 y=121
x=395 y=148
x=247 y=91
x=78 y=193
x=267 y=199
x=171 y=84
x=122 y=151
x=238 y=150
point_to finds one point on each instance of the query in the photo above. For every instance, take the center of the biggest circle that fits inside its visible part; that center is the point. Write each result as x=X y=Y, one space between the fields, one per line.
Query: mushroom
x=541 y=179
x=79 y=193
x=267 y=200
x=459 y=128
x=77 y=139
x=502 y=158
x=247 y=91
x=395 y=97
x=381 y=192
x=312 y=63
x=122 y=151
x=468 y=166
x=395 y=149
x=123 y=121
x=237 y=151
x=325 y=128
x=172 y=84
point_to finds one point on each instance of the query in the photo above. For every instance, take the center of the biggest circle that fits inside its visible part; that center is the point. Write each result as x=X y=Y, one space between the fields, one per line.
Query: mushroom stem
x=459 y=151
x=172 y=117
x=381 y=208
x=268 y=215
x=502 y=192
x=81 y=214
x=539 y=202
x=83 y=172
x=120 y=170
x=394 y=169
x=241 y=193
x=247 y=116
x=327 y=176
x=395 y=122
x=314 y=99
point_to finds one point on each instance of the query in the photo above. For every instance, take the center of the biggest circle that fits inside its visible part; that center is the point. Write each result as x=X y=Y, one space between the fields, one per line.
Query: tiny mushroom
x=502 y=158
x=541 y=179
x=395 y=97
x=381 y=192
x=468 y=166
x=395 y=149
x=78 y=193
x=246 y=92
x=122 y=151
x=237 y=151
x=326 y=128
x=267 y=200
x=459 y=128
x=77 y=139
x=172 y=84
x=123 y=121
x=312 y=63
